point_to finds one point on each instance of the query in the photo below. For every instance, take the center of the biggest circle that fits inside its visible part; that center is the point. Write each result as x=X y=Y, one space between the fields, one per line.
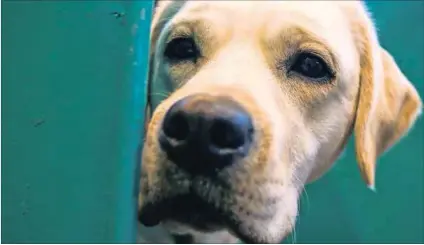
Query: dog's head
x=261 y=98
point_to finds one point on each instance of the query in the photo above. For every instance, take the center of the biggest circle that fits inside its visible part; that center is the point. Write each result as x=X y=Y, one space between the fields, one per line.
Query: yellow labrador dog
x=263 y=96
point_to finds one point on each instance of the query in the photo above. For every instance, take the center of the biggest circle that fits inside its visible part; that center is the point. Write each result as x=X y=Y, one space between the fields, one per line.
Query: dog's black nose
x=203 y=133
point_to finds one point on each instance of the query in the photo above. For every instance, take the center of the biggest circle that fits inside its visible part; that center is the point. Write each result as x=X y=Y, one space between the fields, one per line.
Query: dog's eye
x=311 y=66
x=181 y=49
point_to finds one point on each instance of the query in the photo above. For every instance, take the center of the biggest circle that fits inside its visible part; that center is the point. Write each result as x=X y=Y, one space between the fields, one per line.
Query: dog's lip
x=186 y=208
x=153 y=213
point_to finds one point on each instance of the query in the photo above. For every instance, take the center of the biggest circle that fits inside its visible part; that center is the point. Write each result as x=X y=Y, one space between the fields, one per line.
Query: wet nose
x=203 y=133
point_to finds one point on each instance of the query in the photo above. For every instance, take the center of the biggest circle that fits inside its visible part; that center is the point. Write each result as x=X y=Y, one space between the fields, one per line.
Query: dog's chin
x=196 y=214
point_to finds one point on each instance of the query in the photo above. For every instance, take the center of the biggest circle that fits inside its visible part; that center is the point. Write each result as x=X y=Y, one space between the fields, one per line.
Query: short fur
x=301 y=126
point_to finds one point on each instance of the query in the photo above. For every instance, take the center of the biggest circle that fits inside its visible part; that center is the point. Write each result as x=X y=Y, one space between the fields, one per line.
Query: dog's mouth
x=191 y=211
x=203 y=213
x=187 y=209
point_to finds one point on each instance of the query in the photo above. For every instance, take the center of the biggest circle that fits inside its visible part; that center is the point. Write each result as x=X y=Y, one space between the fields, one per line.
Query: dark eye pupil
x=310 y=66
x=181 y=49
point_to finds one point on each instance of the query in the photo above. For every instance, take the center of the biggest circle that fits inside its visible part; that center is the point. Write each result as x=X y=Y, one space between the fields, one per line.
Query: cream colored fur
x=303 y=126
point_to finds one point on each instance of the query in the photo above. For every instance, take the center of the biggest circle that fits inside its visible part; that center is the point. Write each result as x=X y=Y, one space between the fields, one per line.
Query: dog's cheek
x=286 y=215
x=179 y=73
x=284 y=218
x=301 y=147
x=151 y=154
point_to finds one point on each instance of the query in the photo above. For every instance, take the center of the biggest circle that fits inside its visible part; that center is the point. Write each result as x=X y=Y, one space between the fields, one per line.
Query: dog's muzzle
x=203 y=134
x=205 y=139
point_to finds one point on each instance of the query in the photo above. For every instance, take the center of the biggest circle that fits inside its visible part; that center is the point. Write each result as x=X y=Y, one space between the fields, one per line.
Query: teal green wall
x=338 y=208
x=73 y=89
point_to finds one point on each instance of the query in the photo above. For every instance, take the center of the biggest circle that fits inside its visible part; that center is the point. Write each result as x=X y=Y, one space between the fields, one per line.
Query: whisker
x=307 y=199
x=294 y=235
x=303 y=191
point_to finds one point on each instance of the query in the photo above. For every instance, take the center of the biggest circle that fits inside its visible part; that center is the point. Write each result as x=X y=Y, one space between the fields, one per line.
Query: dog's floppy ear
x=154 y=33
x=163 y=11
x=388 y=104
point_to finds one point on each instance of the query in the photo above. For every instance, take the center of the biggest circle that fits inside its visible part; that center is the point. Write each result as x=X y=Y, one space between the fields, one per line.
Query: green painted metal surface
x=73 y=89
x=73 y=92
x=338 y=208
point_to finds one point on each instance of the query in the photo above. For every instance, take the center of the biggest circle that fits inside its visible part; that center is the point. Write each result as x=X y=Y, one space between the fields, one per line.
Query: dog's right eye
x=182 y=49
x=311 y=66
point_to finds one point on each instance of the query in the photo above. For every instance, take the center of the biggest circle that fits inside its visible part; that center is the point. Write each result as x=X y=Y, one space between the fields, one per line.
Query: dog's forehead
x=255 y=15
x=327 y=20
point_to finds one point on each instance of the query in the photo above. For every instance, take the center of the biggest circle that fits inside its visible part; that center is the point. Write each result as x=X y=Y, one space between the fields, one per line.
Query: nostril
x=203 y=134
x=176 y=126
x=226 y=135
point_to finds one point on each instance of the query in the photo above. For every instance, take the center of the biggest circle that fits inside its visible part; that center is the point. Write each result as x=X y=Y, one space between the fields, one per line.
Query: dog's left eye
x=311 y=66
x=181 y=49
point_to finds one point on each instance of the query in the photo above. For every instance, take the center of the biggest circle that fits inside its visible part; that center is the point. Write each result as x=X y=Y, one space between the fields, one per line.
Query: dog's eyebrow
x=205 y=6
x=198 y=8
x=185 y=27
x=188 y=27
